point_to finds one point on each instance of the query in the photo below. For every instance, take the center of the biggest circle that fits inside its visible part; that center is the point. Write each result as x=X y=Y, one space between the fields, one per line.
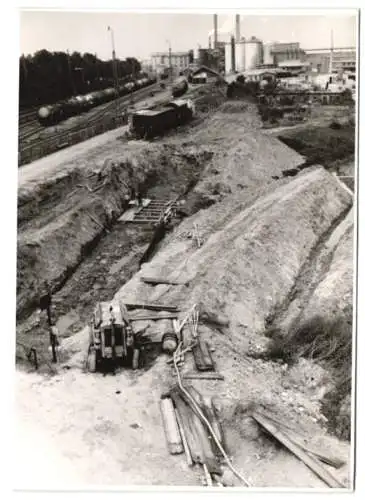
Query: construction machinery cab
x=112 y=340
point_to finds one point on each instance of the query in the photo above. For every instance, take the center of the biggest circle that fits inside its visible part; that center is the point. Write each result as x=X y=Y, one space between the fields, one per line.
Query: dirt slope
x=262 y=239
x=243 y=270
x=60 y=216
x=247 y=267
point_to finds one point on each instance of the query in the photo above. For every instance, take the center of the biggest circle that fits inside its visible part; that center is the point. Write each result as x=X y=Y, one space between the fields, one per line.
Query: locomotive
x=55 y=113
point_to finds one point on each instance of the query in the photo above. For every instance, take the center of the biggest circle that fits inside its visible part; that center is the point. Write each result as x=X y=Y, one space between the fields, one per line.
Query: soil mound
x=245 y=269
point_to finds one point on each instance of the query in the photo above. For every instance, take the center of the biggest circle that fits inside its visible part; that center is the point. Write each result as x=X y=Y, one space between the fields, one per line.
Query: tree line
x=47 y=77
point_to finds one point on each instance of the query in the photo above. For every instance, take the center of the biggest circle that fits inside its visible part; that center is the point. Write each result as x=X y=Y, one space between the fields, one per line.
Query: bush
x=328 y=342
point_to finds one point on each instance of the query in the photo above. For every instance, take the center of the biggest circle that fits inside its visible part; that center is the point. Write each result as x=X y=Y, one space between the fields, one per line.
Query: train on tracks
x=179 y=87
x=55 y=113
x=151 y=122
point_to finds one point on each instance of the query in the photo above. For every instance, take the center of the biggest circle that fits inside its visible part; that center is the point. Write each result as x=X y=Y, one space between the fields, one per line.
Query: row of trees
x=47 y=77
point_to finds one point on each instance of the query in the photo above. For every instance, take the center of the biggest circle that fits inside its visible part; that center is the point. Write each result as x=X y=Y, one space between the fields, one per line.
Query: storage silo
x=268 y=58
x=249 y=54
x=240 y=56
x=253 y=53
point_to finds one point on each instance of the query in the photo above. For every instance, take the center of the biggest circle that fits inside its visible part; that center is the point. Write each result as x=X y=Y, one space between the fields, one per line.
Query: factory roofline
x=172 y=53
x=206 y=70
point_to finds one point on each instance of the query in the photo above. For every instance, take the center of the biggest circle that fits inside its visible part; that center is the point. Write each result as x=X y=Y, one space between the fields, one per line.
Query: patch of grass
x=323 y=145
x=328 y=342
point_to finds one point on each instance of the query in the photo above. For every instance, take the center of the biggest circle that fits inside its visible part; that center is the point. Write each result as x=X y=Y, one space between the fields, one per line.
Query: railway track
x=31 y=128
x=27 y=116
x=94 y=123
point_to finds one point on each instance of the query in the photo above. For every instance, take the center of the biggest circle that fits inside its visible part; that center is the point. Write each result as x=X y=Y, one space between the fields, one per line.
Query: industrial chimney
x=238 y=29
x=233 y=54
x=215 y=30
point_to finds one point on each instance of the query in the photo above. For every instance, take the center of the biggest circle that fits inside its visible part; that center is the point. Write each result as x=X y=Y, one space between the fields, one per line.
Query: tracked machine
x=112 y=341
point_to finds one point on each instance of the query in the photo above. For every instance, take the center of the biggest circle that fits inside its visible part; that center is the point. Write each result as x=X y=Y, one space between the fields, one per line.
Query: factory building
x=278 y=52
x=342 y=60
x=213 y=58
x=243 y=55
x=179 y=61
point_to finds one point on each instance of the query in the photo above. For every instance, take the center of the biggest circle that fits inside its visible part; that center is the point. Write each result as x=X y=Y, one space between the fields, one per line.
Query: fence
x=204 y=105
x=326 y=98
x=47 y=146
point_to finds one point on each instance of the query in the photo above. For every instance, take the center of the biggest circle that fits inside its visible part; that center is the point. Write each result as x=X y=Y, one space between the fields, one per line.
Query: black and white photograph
x=187 y=189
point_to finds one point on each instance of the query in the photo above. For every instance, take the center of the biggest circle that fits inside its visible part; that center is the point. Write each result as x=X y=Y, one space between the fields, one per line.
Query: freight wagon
x=149 y=122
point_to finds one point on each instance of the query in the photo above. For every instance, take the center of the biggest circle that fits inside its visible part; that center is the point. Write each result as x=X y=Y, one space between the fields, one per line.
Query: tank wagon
x=179 y=87
x=150 y=122
x=53 y=114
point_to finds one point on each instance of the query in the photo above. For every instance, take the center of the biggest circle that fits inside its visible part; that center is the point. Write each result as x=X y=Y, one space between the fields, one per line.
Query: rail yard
x=184 y=311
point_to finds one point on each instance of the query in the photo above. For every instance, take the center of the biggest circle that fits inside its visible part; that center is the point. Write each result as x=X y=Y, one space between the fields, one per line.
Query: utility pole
x=115 y=69
x=170 y=60
x=331 y=54
x=70 y=73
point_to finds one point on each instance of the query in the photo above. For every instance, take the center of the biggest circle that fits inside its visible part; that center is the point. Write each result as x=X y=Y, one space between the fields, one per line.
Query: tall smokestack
x=233 y=54
x=238 y=28
x=215 y=30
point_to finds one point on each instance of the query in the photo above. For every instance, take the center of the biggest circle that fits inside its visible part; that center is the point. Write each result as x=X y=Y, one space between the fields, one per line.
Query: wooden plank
x=203 y=376
x=218 y=424
x=312 y=463
x=152 y=307
x=204 y=436
x=189 y=459
x=209 y=457
x=198 y=358
x=184 y=411
x=293 y=434
x=204 y=346
x=214 y=422
x=151 y=222
x=154 y=317
x=161 y=281
x=332 y=461
x=203 y=361
x=128 y=215
x=171 y=427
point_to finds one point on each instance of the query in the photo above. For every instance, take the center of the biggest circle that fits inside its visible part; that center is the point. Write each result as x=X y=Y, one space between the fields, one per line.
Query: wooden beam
x=154 y=317
x=161 y=281
x=189 y=459
x=185 y=412
x=171 y=427
x=293 y=434
x=202 y=358
x=311 y=462
x=203 y=376
x=151 y=307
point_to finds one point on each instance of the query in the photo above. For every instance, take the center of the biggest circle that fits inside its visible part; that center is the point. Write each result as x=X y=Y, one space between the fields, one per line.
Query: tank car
x=50 y=115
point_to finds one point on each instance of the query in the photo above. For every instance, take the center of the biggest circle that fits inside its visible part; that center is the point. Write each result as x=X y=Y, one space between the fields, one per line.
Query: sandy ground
x=258 y=236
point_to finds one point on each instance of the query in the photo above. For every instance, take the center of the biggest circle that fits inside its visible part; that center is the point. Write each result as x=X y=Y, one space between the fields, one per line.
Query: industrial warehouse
x=185 y=252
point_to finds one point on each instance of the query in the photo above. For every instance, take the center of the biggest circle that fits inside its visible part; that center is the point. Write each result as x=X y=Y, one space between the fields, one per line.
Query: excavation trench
x=258 y=229
x=93 y=266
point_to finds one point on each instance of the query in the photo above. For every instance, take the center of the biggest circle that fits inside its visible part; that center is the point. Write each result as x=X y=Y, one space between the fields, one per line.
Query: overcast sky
x=140 y=34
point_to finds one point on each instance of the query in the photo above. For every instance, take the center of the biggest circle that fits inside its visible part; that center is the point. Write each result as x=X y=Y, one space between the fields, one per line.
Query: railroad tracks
x=97 y=122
